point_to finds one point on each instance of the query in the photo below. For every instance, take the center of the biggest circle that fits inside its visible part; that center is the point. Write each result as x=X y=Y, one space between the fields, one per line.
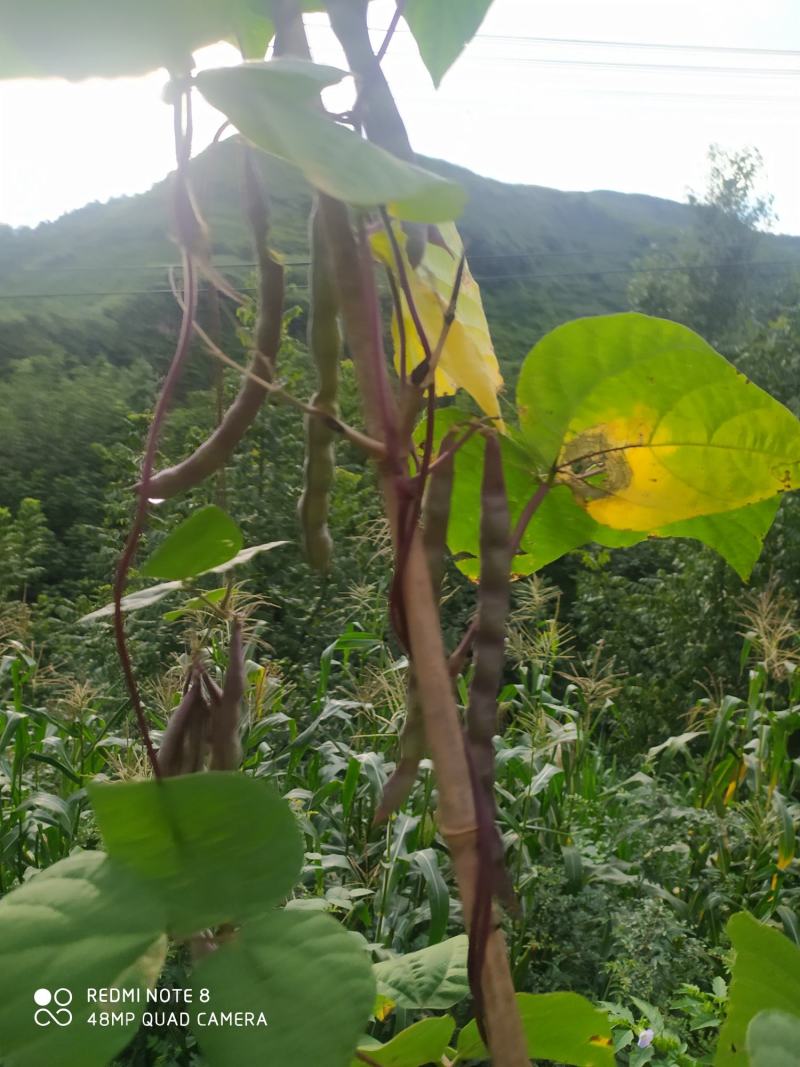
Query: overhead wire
x=685 y=267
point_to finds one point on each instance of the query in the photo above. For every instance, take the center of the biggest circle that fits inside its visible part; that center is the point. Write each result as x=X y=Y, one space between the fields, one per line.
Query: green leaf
x=558 y=526
x=765 y=977
x=82 y=923
x=594 y=380
x=309 y=977
x=217 y=847
x=427 y=863
x=94 y=38
x=558 y=1026
x=197 y=603
x=252 y=34
x=145 y=597
x=649 y=426
x=561 y=525
x=773 y=1039
x=433 y=978
x=442 y=28
x=206 y=539
x=274 y=105
x=423 y=1042
x=738 y=535
x=245 y=556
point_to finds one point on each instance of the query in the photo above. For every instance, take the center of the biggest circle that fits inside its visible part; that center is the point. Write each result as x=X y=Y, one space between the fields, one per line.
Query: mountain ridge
x=541 y=256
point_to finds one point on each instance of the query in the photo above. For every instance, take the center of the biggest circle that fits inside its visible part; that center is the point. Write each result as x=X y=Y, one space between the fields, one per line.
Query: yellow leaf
x=468 y=360
x=650 y=427
x=637 y=490
x=601 y=1042
x=384 y=1006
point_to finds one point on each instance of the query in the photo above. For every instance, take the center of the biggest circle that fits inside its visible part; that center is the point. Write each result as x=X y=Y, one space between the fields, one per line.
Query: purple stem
x=182 y=153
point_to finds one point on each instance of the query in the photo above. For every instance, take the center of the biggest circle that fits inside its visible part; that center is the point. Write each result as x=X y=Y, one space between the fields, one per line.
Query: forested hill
x=95 y=282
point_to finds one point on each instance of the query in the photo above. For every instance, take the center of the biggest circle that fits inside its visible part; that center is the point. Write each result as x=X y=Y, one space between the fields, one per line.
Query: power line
x=671 y=68
x=602 y=250
x=597 y=42
x=689 y=268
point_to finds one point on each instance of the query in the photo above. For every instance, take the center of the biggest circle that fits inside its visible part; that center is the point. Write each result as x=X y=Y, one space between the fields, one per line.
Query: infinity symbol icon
x=43 y=1016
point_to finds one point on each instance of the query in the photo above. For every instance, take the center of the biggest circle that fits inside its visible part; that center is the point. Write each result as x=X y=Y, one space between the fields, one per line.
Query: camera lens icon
x=61 y=1016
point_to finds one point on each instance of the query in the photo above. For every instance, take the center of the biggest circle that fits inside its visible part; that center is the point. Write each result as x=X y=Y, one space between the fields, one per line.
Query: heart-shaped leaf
x=432 y=978
x=208 y=538
x=649 y=426
x=94 y=38
x=271 y=106
x=216 y=847
x=421 y=1043
x=309 y=977
x=558 y=1026
x=766 y=977
x=84 y=923
x=720 y=486
x=773 y=1039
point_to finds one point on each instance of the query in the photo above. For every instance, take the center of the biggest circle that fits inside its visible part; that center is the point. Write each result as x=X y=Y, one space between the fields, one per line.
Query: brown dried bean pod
x=173 y=754
x=324 y=342
x=412 y=749
x=226 y=747
x=493 y=605
x=436 y=511
x=196 y=747
x=215 y=452
x=435 y=518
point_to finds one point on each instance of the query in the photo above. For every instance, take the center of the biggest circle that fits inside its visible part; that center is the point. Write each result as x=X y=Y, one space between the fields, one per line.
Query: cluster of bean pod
x=206 y=721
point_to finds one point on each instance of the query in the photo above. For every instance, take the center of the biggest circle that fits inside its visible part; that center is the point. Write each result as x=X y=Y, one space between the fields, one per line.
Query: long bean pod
x=181 y=750
x=324 y=342
x=493 y=605
x=217 y=449
x=435 y=517
x=226 y=747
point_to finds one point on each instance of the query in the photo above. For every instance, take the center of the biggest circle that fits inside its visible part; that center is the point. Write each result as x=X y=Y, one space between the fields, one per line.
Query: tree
x=715 y=292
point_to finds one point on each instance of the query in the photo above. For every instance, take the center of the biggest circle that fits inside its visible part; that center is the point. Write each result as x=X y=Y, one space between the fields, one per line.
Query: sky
x=573 y=94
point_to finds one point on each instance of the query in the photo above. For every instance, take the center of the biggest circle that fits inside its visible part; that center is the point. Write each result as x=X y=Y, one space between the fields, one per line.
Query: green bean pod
x=324 y=342
x=435 y=518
